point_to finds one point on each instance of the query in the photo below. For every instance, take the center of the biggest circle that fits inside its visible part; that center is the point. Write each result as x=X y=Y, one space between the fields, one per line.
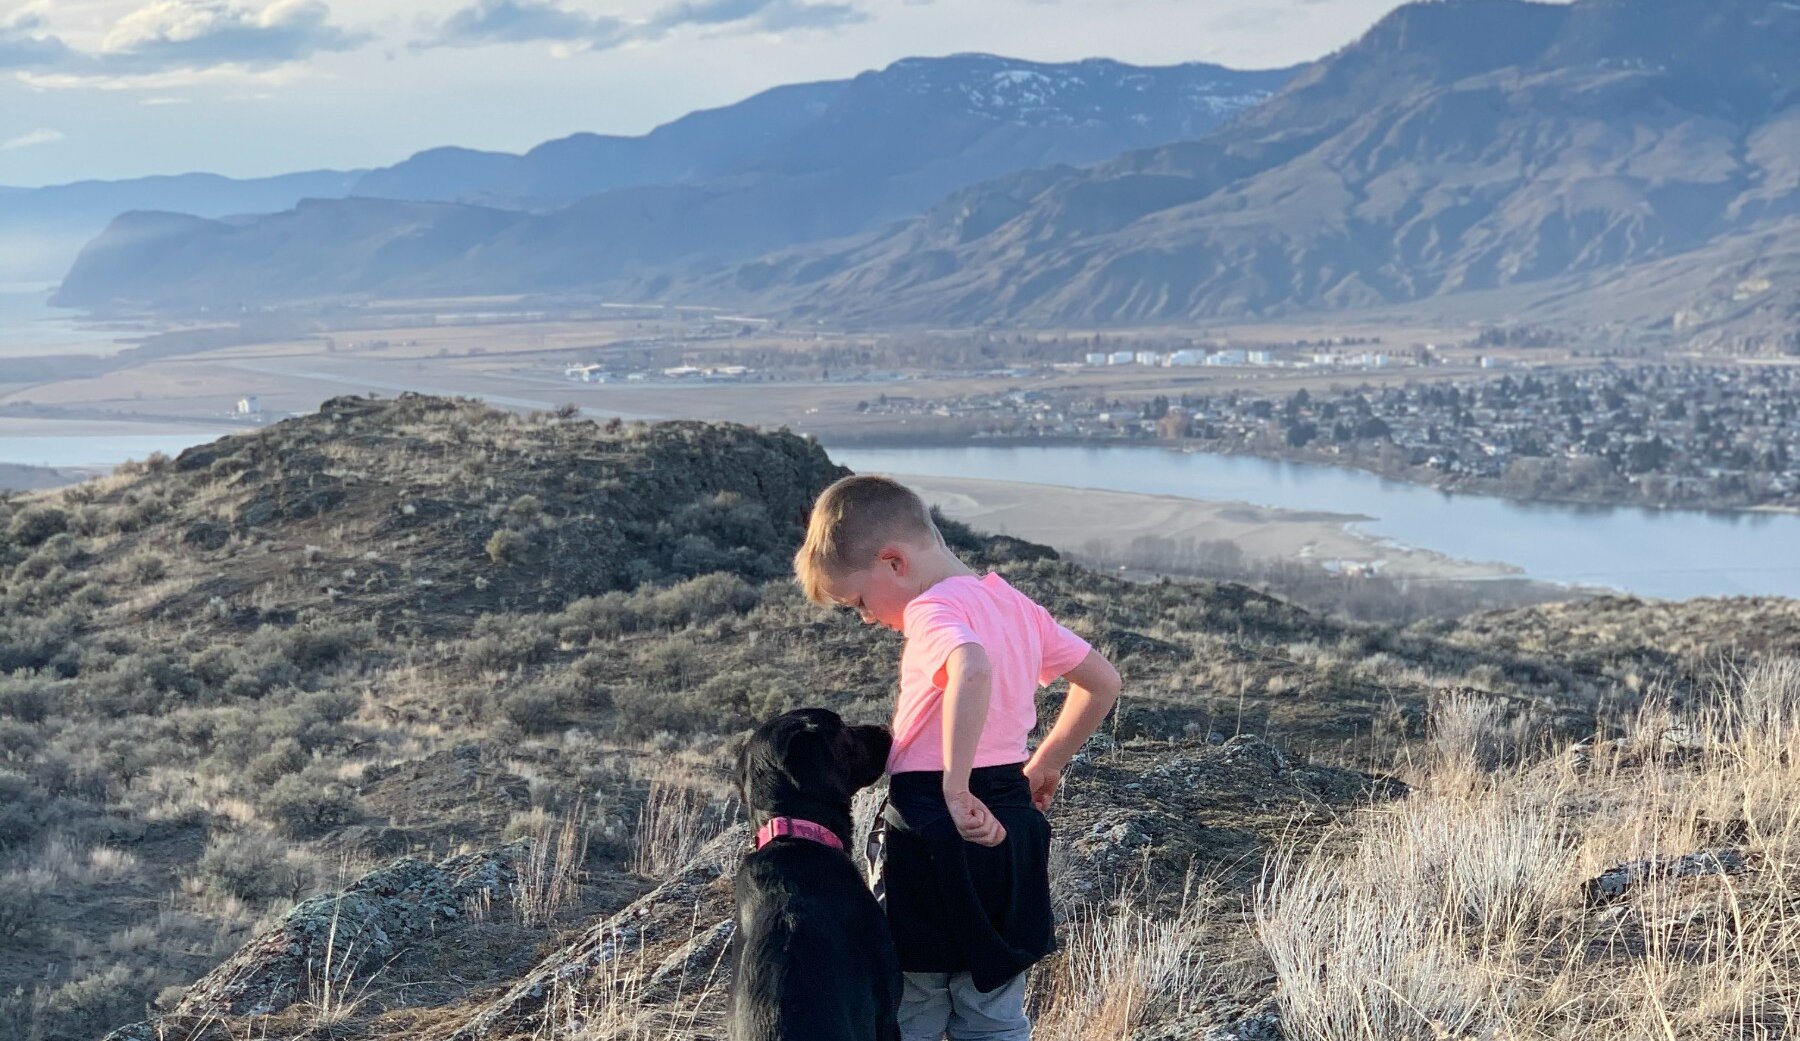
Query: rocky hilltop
x=411 y=718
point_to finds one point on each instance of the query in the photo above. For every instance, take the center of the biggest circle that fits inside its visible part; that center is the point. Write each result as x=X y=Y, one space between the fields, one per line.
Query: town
x=1724 y=436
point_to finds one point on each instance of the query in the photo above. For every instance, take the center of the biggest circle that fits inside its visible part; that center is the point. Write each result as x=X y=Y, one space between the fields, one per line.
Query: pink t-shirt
x=1026 y=648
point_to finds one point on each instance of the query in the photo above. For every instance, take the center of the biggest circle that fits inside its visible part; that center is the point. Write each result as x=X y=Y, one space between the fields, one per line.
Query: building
x=1098 y=357
x=1187 y=357
x=1149 y=358
x=1261 y=358
x=1121 y=358
x=249 y=405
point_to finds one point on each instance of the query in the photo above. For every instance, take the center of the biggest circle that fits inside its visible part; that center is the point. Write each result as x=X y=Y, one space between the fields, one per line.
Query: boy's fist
x=974 y=821
x=1042 y=779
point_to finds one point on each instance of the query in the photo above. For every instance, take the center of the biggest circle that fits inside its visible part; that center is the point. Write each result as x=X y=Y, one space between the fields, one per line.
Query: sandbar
x=1155 y=533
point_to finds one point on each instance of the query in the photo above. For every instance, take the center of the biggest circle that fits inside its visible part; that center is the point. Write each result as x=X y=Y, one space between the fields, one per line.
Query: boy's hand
x=974 y=821
x=1043 y=780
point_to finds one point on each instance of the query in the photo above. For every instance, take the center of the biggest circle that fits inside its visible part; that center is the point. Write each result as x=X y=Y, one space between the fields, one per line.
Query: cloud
x=525 y=21
x=165 y=36
x=765 y=15
x=23 y=44
x=199 y=33
x=36 y=137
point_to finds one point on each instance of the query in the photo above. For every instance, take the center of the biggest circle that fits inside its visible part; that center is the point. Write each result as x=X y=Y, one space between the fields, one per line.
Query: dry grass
x=1120 y=968
x=1462 y=912
x=680 y=816
x=549 y=878
x=614 y=1003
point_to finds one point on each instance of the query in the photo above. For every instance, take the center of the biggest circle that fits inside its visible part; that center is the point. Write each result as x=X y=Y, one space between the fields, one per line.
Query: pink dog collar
x=794 y=827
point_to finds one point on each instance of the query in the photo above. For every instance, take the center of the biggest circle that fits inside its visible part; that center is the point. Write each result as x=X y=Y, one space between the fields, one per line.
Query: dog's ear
x=814 y=759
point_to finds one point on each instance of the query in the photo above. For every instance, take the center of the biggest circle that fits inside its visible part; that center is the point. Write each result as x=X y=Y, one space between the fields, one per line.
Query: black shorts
x=955 y=906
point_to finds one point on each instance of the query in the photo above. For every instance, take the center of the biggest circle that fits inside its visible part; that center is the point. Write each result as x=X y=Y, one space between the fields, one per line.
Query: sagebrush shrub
x=302 y=806
x=34 y=524
x=251 y=867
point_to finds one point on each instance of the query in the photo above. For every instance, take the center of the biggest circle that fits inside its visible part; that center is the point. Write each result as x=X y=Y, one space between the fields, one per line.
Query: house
x=249 y=405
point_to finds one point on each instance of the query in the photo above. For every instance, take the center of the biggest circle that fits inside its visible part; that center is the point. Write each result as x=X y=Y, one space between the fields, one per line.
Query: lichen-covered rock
x=345 y=936
x=667 y=946
x=1618 y=881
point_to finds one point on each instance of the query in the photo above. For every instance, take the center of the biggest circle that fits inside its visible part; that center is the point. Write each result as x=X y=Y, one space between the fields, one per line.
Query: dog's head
x=809 y=756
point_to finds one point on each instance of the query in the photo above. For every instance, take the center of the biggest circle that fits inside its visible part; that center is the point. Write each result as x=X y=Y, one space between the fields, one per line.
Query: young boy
x=967 y=845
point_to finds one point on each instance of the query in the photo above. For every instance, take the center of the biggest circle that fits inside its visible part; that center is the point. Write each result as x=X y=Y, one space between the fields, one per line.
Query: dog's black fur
x=812 y=959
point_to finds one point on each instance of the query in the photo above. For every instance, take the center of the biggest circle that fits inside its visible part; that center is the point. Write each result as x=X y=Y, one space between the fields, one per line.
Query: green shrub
x=252 y=867
x=147 y=568
x=22 y=810
x=18 y=741
x=505 y=545
x=532 y=711
x=25 y=698
x=330 y=706
x=315 y=646
x=21 y=906
x=35 y=642
x=95 y=1003
x=283 y=758
x=302 y=806
x=33 y=524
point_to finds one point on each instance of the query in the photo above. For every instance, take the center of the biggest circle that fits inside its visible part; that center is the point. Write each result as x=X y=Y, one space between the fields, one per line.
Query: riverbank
x=1160 y=532
x=1317 y=559
x=1597 y=496
x=1672 y=554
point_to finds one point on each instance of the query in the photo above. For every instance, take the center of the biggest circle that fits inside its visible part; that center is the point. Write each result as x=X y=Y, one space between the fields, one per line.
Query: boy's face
x=878 y=593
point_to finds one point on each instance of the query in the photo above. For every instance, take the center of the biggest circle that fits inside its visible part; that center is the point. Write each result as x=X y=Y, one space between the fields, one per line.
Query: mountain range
x=1632 y=166
x=798 y=163
x=1623 y=158
x=42 y=229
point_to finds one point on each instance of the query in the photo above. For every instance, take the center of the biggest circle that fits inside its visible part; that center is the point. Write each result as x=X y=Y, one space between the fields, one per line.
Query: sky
x=125 y=88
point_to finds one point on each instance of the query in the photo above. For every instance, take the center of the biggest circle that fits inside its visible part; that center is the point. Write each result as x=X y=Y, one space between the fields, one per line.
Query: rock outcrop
x=331 y=940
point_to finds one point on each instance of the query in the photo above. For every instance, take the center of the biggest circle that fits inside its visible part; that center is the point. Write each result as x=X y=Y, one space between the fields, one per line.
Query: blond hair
x=851 y=521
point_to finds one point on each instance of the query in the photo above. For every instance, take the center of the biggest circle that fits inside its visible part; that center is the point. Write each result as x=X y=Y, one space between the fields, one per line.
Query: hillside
x=799 y=163
x=480 y=674
x=1602 y=161
x=42 y=229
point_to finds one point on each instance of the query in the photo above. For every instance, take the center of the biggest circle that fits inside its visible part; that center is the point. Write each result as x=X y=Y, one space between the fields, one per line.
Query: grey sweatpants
x=933 y=1003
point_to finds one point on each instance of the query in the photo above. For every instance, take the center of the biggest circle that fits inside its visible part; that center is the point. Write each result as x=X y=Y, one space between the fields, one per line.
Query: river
x=30 y=326
x=1662 y=553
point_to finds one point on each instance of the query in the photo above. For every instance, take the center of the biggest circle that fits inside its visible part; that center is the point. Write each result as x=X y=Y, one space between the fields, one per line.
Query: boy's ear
x=894 y=557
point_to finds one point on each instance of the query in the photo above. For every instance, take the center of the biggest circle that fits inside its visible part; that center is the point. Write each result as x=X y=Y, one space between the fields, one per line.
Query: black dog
x=812 y=959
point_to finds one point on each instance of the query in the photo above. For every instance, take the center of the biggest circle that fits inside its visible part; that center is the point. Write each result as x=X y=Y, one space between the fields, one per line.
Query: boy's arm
x=1093 y=690
x=967 y=686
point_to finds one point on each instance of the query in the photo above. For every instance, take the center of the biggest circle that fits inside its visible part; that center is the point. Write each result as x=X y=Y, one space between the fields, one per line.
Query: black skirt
x=958 y=907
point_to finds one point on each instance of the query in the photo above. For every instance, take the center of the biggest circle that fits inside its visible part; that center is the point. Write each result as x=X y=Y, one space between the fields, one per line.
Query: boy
x=967 y=845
